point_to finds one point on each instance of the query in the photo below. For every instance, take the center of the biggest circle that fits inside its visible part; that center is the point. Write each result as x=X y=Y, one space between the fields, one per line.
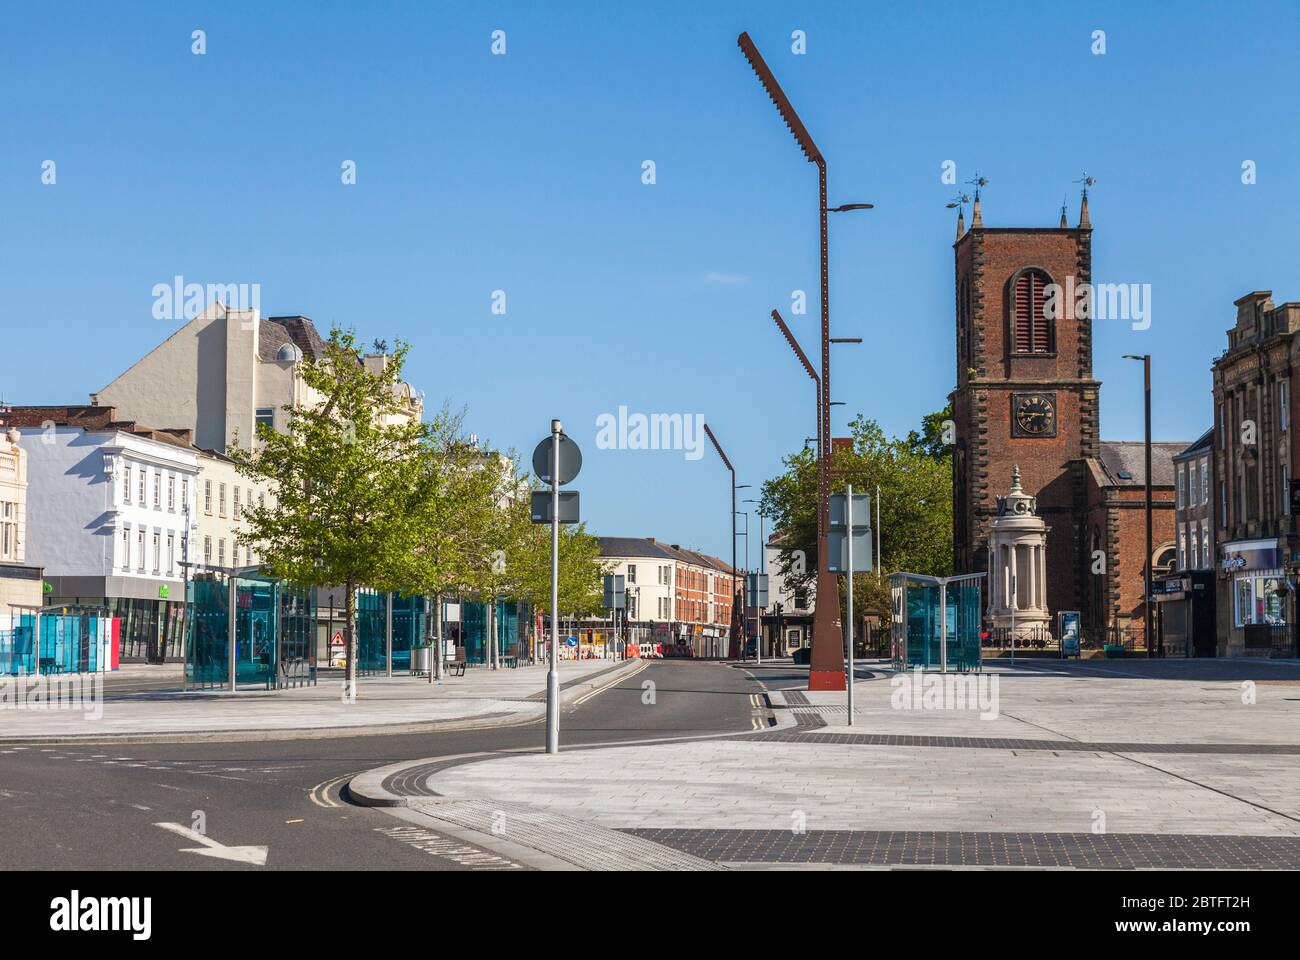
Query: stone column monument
x=1018 y=549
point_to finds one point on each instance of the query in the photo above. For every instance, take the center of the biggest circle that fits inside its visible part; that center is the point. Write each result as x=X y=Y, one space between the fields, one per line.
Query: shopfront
x=1185 y=614
x=1257 y=608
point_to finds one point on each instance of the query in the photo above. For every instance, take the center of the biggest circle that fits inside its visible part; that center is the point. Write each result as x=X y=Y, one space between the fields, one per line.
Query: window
x=157 y=490
x=1193 y=551
x=171 y=493
x=1032 y=328
x=234 y=554
x=157 y=553
x=126 y=548
x=1283 y=497
x=171 y=554
x=1223 y=436
x=221 y=552
x=1182 y=486
x=126 y=484
x=139 y=540
x=1207 y=557
x=1205 y=481
x=207 y=497
x=185 y=493
x=8 y=530
x=266 y=417
x=1223 y=503
x=1282 y=404
x=207 y=551
x=631 y=573
x=1182 y=550
x=143 y=478
x=236 y=503
x=221 y=499
x=1259 y=599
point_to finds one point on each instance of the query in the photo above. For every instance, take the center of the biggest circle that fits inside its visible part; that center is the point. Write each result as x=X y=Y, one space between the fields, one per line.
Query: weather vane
x=1087 y=182
x=978 y=182
x=959 y=200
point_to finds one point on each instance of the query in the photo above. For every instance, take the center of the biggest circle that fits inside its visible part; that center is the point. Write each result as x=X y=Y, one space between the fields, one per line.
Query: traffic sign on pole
x=570 y=460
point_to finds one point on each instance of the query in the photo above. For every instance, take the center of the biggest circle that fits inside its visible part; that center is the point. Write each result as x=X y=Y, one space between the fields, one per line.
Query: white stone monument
x=1018 y=554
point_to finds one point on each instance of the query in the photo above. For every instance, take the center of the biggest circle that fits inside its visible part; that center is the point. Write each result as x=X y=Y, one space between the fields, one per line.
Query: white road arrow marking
x=210 y=848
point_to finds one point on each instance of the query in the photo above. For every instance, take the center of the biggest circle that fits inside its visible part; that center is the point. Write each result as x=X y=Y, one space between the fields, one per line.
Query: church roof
x=1123 y=463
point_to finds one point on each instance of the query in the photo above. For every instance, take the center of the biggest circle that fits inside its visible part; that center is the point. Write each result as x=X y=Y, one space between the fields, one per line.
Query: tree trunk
x=350 y=634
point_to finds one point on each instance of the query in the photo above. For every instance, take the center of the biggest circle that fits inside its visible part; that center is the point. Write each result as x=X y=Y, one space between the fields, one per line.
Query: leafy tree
x=455 y=518
x=348 y=480
x=914 y=476
x=581 y=568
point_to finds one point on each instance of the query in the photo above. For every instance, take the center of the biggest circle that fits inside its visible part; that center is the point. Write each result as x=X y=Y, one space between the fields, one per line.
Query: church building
x=1026 y=398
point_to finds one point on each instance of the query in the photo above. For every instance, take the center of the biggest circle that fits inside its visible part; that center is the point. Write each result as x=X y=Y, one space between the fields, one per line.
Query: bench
x=458 y=662
x=48 y=665
x=511 y=655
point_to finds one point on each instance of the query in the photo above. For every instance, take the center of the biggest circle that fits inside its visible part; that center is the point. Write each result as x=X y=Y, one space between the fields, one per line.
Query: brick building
x=1026 y=396
x=1116 y=526
x=1254 y=448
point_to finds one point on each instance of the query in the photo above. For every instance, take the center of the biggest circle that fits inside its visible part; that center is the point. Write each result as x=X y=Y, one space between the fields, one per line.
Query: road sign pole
x=552 y=675
x=848 y=523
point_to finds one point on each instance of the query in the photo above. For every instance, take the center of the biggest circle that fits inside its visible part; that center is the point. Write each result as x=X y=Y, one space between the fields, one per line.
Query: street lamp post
x=826 y=667
x=762 y=568
x=1146 y=596
x=734 y=652
x=744 y=610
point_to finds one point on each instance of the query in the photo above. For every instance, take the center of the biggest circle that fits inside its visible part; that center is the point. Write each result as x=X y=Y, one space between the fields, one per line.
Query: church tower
x=1025 y=393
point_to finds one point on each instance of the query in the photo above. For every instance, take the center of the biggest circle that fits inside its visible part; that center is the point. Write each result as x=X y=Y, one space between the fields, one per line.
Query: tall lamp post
x=762 y=568
x=744 y=611
x=826 y=667
x=1146 y=597
x=735 y=651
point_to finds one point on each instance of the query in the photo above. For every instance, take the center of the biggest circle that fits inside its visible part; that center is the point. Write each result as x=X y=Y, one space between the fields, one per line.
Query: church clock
x=1033 y=415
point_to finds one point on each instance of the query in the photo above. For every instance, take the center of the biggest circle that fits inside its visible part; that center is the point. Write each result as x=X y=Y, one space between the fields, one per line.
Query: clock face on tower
x=1033 y=415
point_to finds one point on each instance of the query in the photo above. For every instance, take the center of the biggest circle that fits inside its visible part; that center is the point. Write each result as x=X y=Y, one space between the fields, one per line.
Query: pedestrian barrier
x=57 y=641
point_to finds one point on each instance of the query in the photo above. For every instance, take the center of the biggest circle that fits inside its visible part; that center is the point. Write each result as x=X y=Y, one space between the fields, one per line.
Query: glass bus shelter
x=935 y=621
x=246 y=628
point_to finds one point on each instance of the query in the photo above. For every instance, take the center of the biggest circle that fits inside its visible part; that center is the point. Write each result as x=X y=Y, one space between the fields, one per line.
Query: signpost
x=756 y=590
x=556 y=461
x=615 y=600
x=850 y=552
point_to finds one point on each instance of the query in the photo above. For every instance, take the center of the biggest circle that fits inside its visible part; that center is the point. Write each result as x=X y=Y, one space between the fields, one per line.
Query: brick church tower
x=1025 y=393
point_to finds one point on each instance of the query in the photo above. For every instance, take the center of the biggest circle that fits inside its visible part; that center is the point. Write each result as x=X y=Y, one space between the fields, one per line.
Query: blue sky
x=522 y=173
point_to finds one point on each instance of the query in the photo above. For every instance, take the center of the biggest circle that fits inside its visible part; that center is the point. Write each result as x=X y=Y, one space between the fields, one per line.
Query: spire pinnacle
x=961 y=224
x=1064 y=224
x=1085 y=222
x=977 y=214
x=1016 y=489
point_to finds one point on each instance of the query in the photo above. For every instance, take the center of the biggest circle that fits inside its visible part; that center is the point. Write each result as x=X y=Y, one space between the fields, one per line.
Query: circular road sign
x=570 y=460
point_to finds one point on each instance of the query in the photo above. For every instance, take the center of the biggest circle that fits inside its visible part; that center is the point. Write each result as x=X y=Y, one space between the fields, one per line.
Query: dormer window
x=1032 y=330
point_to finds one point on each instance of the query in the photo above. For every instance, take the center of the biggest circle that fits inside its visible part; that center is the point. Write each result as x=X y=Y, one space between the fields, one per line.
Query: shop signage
x=1250 y=558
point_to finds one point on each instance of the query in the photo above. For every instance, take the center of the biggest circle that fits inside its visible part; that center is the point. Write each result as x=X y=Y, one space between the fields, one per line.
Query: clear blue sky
x=523 y=173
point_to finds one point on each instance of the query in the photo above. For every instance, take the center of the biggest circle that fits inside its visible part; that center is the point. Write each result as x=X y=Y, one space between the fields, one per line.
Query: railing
x=1278 y=637
x=1033 y=638
x=1098 y=638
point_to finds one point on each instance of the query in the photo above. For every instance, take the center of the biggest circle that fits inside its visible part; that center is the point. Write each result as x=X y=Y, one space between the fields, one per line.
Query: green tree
x=455 y=518
x=348 y=483
x=914 y=477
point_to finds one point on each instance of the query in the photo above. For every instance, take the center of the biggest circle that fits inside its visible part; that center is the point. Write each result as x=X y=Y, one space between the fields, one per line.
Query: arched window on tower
x=1032 y=330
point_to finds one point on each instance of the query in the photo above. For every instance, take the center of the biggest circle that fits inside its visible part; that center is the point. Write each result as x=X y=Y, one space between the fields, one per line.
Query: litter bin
x=420 y=659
